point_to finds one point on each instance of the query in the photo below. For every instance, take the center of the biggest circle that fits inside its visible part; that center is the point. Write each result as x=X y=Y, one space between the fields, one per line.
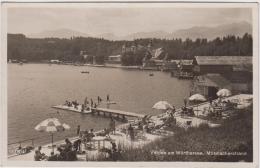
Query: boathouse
x=218 y=64
x=236 y=69
x=209 y=84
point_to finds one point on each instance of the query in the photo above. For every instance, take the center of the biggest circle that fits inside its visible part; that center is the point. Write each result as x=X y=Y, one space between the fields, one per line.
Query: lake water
x=34 y=88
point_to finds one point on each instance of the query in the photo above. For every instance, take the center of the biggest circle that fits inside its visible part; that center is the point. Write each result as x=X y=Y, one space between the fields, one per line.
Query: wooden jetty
x=72 y=109
x=99 y=111
x=118 y=113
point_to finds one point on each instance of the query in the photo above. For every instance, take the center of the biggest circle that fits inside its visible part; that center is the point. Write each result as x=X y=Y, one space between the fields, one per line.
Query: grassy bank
x=235 y=135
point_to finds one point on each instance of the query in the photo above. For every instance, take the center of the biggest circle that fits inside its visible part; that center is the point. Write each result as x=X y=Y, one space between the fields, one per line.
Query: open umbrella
x=197 y=98
x=224 y=93
x=51 y=125
x=162 y=105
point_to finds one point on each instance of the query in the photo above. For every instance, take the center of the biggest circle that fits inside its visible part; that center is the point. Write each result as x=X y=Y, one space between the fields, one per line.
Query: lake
x=34 y=88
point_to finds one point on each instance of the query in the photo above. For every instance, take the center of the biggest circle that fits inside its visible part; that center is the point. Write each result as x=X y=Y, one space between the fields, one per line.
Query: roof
x=214 y=80
x=223 y=60
x=114 y=56
x=185 y=62
x=243 y=67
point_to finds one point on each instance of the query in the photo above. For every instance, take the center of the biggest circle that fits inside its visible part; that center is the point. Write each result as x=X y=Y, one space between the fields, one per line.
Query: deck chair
x=218 y=110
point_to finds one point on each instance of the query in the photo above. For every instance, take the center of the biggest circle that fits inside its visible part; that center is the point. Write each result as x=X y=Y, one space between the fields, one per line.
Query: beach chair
x=218 y=111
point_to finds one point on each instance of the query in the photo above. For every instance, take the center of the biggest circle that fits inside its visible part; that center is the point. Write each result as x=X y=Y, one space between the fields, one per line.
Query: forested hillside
x=21 y=47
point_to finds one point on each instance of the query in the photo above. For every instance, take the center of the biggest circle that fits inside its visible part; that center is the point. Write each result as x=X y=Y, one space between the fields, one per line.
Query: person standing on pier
x=108 y=99
x=78 y=130
x=91 y=102
x=86 y=101
x=99 y=100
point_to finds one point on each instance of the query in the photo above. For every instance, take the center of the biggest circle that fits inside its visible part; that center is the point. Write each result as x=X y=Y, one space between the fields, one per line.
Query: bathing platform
x=101 y=111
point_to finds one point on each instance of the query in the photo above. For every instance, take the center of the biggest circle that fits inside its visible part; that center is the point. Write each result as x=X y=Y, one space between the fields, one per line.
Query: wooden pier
x=102 y=111
x=118 y=113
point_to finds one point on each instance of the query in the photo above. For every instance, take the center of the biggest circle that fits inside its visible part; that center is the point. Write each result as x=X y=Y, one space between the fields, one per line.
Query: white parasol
x=224 y=93
x=197 y=98
x=162 y=105
x=51 y=125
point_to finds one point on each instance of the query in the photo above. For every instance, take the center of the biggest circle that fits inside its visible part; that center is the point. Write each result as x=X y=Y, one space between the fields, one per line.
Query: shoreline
x=196 y=121
x=131 y=67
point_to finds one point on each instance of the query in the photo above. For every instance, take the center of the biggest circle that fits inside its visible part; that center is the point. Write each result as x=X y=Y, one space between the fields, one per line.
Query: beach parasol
x=162 y=105
x=223 y=93
x=197 y=98
x=51 y=125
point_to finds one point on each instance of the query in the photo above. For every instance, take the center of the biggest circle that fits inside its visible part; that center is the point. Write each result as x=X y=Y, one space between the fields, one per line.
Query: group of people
x=94 y=104
x=86 y=136
x=187 y=111
x=66 y=152
x=87 y=105
x=217 y=107
x=74 y=104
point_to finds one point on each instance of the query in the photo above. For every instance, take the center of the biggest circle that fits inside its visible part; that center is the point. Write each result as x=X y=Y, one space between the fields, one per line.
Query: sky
x=120 y=21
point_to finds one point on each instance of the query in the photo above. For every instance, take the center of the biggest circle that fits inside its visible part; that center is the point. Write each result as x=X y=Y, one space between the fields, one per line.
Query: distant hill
x=237 y=29
x=108 y=36
x=154 y=34
x=59 y=33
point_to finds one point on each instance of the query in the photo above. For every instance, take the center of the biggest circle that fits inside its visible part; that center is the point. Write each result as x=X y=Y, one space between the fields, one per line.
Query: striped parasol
x=51 y=125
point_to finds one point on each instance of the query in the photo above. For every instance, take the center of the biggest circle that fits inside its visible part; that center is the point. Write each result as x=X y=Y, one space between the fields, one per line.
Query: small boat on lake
x=151 y=74
x=111 y=102
x=85 y=72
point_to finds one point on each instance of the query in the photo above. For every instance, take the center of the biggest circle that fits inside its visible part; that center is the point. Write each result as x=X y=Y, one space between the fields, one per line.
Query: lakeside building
x=184 y=69
x=84 y=54
x=215 y=72
x=218 y=64
x=154 y=58
x=114 y=59
x=209 y=84
x=171 y=65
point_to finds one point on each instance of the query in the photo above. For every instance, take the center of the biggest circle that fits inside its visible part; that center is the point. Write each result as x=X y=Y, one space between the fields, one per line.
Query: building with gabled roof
x=209 y=84
x=219 y=64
